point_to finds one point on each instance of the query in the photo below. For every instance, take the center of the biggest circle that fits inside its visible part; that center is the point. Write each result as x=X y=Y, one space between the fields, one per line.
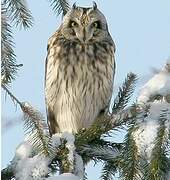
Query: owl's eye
x=73 y=24
x=97 y=24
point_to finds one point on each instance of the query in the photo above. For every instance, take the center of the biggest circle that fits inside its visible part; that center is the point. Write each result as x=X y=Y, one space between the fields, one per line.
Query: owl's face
x=84 y=25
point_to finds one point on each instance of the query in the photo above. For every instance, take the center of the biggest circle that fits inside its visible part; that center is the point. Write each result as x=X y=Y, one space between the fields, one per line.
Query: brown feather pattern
x=78 y=82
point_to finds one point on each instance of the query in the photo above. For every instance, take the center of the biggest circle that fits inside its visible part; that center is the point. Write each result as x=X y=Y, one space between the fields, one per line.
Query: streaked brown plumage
x=80 y=70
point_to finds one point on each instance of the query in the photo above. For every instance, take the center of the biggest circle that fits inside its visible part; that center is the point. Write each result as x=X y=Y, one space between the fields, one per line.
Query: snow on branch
x=155 y=93
x=159 y=163
x=158 y=87
x=29 y=165
x=152 y=133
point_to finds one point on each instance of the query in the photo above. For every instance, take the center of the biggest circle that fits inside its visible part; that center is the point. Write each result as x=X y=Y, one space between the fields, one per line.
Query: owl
x=80 y=68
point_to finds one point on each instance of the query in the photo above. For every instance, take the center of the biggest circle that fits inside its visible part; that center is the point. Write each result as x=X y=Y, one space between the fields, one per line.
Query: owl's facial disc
x=85 y=32
x=84 y=25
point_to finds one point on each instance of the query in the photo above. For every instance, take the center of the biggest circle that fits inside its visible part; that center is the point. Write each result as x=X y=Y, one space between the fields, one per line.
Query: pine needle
x=100 y=152
x=125 y=93
x=36 y=128
x=19 y=13
x=104 y=124
x=13 y=98
x=60 y=6
x=8 y=63
x=7 y=173
x=159 y=163
x=130 y=157
x=108 y=171
x=35 y=125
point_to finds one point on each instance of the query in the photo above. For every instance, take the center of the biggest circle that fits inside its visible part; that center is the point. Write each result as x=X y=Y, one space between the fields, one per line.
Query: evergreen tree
x=144 y=152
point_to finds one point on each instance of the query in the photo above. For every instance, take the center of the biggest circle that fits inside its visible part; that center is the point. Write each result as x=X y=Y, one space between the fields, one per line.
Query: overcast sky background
x=140 y=29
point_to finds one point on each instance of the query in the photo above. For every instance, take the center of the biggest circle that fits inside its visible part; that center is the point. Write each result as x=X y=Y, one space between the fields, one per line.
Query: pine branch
x=108 y=171
x=13 y=98
x=7 y=173
x=35 y=125
x=8 y=63
x=108 y=153
x=36 y=128
x=130 y=157
x=60 y=6
x=105 y=123
x=19 y=13
x=99 y=152
x=125 y=93
x=159 y=163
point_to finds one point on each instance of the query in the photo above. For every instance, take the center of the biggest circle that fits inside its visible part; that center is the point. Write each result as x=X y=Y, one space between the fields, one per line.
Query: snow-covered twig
x=27 y=164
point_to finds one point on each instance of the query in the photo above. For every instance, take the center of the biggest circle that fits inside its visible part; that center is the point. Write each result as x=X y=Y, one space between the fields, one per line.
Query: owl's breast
x=74 y=65
x=76 y=60
x=79 y=83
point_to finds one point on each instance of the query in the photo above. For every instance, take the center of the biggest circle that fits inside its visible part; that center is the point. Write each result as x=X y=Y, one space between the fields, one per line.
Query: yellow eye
x=73 y=23
x=97 y=24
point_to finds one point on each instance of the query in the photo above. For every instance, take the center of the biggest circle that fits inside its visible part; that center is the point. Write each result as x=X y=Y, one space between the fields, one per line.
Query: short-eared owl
x=80 y=69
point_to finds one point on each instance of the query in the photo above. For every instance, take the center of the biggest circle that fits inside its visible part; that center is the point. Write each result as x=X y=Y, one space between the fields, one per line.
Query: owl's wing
x=51 y=83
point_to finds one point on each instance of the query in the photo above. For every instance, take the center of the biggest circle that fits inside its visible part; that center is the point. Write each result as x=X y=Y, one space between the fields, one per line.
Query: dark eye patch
x=72 y=24
x=97 y=24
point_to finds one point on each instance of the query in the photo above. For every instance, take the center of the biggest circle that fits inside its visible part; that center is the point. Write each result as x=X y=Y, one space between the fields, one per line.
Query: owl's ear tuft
x=74 y=6
x=94 y=5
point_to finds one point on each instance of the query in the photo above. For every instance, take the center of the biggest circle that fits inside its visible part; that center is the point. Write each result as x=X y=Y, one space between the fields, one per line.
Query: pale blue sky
x=140 y=29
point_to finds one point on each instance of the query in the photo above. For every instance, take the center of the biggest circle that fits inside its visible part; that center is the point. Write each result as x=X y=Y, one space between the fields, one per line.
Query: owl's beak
x=84 y=36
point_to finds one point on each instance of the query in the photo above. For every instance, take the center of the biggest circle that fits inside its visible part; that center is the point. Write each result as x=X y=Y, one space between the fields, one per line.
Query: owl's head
x=85 y=25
